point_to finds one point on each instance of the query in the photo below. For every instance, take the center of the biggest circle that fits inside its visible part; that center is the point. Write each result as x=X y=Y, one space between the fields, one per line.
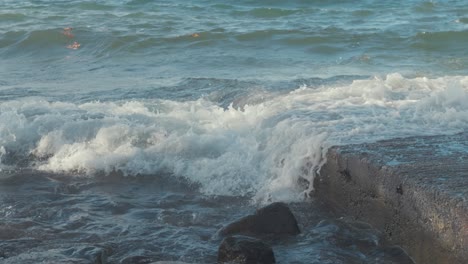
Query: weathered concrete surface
x=415 y=190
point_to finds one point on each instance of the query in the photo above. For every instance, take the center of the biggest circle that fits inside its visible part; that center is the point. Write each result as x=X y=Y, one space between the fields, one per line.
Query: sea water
x=131 y=131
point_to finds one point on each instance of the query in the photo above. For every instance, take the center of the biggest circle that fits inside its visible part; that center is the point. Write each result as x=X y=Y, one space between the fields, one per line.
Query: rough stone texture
x=274 y=219
x=415 y=190
x=245 y=250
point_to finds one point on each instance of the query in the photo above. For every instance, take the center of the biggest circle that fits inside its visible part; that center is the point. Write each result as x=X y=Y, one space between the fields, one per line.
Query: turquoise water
x=226 y=105
x=135 y=46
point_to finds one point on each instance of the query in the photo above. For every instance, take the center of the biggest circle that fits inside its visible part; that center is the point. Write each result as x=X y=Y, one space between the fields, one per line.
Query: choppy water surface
x=146 y=219
x=138 y=133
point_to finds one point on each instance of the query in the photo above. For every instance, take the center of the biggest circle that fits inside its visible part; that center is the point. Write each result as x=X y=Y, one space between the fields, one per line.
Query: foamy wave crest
x=262 y=150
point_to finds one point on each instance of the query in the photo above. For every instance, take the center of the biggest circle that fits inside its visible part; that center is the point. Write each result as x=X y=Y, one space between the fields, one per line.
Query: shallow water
x=150 y=124
x=51 y=219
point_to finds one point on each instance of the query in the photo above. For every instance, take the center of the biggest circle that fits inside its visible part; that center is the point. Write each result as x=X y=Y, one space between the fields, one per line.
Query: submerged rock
x=169 y=262
x=274 y=219
x=136 y=260
x=97 y=254
x=245 y=250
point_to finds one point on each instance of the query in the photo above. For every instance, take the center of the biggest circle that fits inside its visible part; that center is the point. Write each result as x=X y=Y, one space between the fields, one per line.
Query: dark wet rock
x=242 y=249
x=274 y=219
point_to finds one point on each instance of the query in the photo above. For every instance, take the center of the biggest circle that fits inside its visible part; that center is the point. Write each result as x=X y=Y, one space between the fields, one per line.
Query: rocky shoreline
x=414 y=190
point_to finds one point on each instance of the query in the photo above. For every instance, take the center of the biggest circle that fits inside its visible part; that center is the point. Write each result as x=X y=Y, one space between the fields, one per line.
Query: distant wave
x=23 y=42
x=319 y=41
x=270 y=13
x=453 y=40
x=13 y=17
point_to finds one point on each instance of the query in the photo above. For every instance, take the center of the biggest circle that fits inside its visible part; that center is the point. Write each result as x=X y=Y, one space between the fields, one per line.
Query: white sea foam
x=259 y=149
x=2 y=153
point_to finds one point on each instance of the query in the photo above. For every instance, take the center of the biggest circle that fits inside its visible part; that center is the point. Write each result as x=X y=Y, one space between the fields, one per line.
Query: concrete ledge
x=415 y=190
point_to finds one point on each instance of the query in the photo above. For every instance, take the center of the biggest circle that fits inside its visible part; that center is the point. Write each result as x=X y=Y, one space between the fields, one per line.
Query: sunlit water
x=138 y=133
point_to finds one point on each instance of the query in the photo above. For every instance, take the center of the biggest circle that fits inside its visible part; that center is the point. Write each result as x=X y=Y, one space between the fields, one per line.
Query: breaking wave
x=261 y=147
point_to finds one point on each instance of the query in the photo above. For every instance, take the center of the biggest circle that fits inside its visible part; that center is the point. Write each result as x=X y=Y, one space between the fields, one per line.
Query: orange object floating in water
x=74 y=46
x=195 y=35
x=68 y=32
